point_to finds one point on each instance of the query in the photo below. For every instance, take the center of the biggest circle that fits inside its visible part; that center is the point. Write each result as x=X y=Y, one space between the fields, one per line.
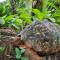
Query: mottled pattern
x=7 y=33
x=41 y=34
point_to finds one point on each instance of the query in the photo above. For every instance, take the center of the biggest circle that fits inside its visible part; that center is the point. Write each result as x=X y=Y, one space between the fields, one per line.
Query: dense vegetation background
x=17 y=14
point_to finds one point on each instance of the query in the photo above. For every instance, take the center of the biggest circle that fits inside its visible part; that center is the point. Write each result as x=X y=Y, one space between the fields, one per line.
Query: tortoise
x=42 y=36
x=6 y=33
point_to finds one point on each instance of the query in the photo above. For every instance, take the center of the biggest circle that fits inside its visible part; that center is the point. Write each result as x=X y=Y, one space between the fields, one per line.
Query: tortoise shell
x=42 y=35
x=6 y=33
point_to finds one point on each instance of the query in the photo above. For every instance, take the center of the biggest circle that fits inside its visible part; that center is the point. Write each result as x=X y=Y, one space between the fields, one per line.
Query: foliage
x=2 y=49
x=16 y=21
x=49 y=11
x=23 y=17
x=41 y=15
x=20 y=54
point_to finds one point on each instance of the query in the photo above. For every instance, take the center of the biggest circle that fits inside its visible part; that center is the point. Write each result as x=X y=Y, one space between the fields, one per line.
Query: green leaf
x=19 y=52
x=9 y=18
x=52 y=19
x=2 y=21
x=18 y=22
x=2 y=49
x=24 y=58
x=39 y=14
x=58 y=20
x=26 y=17
x=22 y=50
x=14 y=25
